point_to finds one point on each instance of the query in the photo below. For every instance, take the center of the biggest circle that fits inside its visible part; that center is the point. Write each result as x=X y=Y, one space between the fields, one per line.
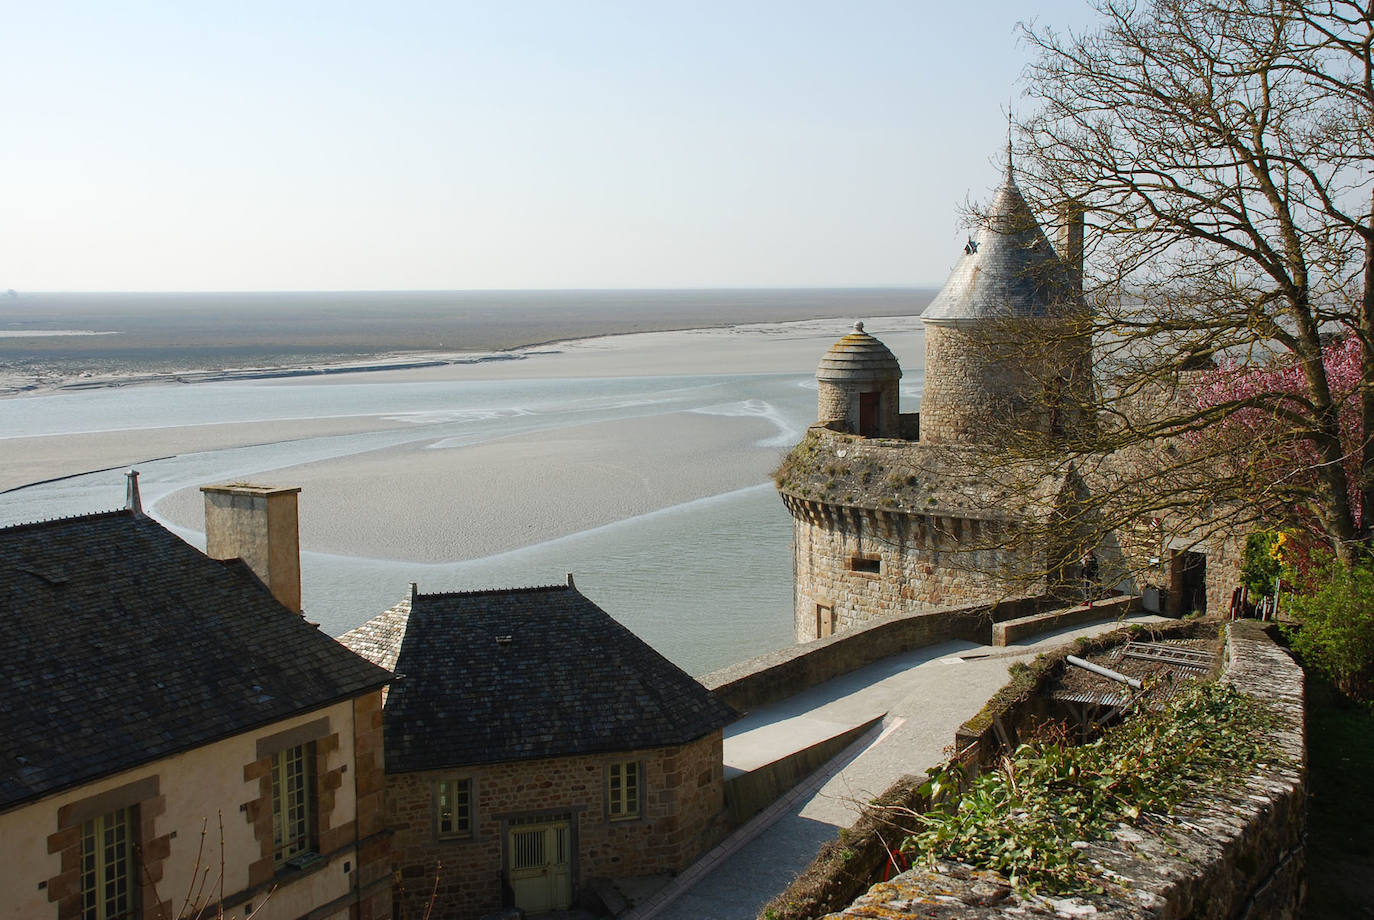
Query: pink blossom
x=1290 y=457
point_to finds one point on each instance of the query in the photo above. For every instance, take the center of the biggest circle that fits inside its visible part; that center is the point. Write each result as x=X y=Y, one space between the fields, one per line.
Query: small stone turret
x=858 y=386
x=1006 y=348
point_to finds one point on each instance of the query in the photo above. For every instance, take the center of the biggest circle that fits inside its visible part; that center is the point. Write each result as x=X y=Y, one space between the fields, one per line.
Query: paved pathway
x=926 y=694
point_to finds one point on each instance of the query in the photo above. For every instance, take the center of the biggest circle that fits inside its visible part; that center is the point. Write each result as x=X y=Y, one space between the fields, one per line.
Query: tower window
x=871 y=565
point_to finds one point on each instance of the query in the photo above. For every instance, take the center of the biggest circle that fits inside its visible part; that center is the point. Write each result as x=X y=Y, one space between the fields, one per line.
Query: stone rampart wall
x=777 y=675
x=1009 y=632
x=854 y=566
x=1234 y=852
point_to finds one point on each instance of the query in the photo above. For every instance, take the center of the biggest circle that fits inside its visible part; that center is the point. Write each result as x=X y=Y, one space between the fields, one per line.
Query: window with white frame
x=453 y=807
x=623 y=790
x=109 y=874
x=293 y=802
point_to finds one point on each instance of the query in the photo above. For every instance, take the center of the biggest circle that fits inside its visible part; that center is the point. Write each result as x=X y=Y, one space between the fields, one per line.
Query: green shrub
x=1335 y=632
x=1024 y=817
x=1260 y=564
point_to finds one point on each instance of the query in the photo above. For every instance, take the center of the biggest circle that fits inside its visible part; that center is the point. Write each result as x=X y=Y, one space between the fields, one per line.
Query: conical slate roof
x=1008 y=270
x=858 y=357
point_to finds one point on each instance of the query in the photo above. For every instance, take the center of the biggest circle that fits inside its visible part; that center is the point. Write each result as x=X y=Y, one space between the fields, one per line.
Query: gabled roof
x=527 y=673
x=1008 y=270
x=124 y=645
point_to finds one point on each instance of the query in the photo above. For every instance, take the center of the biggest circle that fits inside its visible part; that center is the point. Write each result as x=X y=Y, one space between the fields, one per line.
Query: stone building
x=898 y=512
x=889 y=515
x=535 y=747
x=157 y=702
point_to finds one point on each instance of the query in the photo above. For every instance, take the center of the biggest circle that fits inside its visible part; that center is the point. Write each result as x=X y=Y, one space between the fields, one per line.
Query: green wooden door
x=540 y=866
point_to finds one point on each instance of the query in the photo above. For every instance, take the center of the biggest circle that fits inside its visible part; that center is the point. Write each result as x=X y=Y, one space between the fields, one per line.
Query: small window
x=109 y=876
x=453 y=807
x=871 y=565
x=293 y=802
x=622 y=791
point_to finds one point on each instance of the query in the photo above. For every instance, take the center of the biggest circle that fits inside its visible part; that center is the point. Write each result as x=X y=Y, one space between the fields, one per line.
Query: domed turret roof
x=858 y=356
x=1008 y=270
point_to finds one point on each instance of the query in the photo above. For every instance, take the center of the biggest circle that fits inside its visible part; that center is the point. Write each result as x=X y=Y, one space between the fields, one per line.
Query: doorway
x=825 y=620
x=539 y=857
x=868 y=414
x=1188 y=582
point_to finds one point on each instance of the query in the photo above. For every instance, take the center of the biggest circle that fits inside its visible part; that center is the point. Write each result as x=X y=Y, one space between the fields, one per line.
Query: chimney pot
x=132 y=500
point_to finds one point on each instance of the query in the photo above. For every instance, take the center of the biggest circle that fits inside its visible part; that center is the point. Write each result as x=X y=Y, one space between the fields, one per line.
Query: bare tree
x=1222 y=151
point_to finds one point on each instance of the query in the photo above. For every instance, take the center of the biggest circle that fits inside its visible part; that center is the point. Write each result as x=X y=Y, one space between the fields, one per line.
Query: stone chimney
x=257 y=524
x=1071 y=240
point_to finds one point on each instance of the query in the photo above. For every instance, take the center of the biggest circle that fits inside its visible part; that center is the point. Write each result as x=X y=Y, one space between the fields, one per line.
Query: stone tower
x=890 y=512
x=1006 y=343
x=857 y=386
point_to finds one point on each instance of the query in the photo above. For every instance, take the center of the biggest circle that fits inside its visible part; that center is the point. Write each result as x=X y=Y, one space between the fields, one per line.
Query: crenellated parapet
x=884 y=526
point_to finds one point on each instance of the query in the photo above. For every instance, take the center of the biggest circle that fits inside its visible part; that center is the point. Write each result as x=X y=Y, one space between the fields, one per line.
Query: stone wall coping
x=1230 y=852
x=814 y=662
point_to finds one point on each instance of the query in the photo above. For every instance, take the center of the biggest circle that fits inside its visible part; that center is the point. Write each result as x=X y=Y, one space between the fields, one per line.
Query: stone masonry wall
x=1229 y=852
x=922 y=562
x=971 y=386
x=840 y=402
x=682 y=815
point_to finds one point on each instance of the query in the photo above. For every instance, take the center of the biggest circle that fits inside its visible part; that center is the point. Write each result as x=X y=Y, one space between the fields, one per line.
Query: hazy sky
x=502 y=144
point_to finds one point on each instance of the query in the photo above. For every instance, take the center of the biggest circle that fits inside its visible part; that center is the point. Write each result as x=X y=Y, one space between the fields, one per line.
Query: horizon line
x=16 y=293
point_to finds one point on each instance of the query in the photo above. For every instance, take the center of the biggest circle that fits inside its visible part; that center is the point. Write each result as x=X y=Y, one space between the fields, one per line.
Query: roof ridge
x=477 y=592
x=89 y=515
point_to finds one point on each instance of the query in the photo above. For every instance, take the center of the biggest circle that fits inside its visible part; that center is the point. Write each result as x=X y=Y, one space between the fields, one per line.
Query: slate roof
x=124 y=645
x=526 y=673
x=858 y=357
x=1008 y=270
x=379 y=639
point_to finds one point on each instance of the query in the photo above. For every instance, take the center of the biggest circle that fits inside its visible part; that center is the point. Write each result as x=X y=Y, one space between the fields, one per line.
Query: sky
x=503 y=144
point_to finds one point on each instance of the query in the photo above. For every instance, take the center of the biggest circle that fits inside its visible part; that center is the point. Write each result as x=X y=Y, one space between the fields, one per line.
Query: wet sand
x=24 y=461
x=759 y=348
x=424 y=502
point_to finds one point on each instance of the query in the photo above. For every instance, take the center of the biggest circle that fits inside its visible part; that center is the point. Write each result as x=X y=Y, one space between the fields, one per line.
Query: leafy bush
x=1260 y=565
x=1335 y=632
x=1023 y=818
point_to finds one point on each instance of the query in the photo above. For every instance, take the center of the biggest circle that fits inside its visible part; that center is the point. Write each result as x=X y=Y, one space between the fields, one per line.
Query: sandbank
x=425 y=502
x=755 y=348
x=42 y=459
